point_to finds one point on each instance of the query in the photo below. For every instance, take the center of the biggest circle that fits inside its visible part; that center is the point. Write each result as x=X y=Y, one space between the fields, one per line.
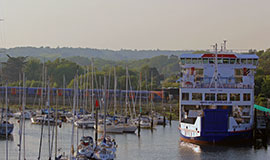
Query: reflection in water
x=194 y=147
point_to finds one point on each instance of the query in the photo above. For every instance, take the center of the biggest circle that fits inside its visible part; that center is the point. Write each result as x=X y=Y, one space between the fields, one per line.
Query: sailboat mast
x=23 y=115
x=115 y=86
x=73 y=110
x=6 y=120
x=126 y=89
x=56 y=119
x=49 y=127
x=105 y=104
x=140 y=102
x=92 y=84
x=64 y=90
x=151 y=93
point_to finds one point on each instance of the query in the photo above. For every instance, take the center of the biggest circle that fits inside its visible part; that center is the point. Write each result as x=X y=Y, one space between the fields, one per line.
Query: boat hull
x=111 y=129
x=220 y=138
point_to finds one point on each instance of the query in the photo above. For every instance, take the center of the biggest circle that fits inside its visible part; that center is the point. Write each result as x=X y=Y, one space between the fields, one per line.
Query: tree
x=13 y=68
x=33 y=69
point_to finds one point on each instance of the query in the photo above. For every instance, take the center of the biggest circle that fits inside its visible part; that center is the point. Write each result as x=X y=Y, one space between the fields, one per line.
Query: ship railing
x=208 y=85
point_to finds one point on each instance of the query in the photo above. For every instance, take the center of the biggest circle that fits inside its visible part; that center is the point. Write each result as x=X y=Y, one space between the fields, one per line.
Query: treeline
x=61 y=73
x=48 y=53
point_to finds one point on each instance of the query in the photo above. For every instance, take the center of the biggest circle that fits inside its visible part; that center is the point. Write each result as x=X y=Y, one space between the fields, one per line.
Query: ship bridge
x=233 y=70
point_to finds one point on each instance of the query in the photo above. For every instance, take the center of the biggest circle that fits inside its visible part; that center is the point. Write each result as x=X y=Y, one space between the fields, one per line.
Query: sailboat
x=85 y=149
x=126 y=123
x=106 y=147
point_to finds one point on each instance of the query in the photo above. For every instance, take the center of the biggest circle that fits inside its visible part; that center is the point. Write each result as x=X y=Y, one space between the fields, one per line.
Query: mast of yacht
x=151 y=85
x=151 y=96
x=126 y=90
x=92 y=84
x=87 y=86
x=73 y=110
x=6 y=120
x=105 y=105
x=78 y=106
x=115 y=86
x=108 y=88
x=49 y=125
x=23 y=115
x=56 y=131
x=147 y=93
x=64 y=90
x=133 y=115
x=42 y=100
x=21 y=121
x=83 y=98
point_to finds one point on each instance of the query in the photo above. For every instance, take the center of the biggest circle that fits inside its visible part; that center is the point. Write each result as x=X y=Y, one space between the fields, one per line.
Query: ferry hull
x=244 y=137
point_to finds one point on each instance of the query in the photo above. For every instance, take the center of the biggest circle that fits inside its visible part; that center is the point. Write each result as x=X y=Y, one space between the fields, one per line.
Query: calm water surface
x=162 y=143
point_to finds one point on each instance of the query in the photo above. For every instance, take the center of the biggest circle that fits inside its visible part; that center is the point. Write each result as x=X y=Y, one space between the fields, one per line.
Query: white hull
x=111 y=128
x=85 y=123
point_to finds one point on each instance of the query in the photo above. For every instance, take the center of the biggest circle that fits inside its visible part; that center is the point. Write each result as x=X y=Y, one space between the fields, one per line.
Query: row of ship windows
x=219 y=60
x=215 y=97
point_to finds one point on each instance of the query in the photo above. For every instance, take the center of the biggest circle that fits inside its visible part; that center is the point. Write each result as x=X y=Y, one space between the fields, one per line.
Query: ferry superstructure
x=216 y=97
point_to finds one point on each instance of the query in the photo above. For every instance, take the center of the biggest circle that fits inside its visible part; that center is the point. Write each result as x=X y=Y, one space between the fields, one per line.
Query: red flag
x=97 y=104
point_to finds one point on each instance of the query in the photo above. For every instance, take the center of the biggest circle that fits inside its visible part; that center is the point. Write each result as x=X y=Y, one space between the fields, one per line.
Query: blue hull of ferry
x=214 y=129
x=220 y=138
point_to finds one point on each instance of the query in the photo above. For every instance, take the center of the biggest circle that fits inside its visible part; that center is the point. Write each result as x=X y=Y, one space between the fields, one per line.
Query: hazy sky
x=135 y=24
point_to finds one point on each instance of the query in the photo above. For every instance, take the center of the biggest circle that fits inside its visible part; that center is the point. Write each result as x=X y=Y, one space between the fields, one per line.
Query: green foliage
x=13 y=68
x=33 y=69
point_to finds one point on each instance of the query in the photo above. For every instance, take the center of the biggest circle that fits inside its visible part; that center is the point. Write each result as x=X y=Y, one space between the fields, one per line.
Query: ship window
x=188 y=60
x=225 y=61
x=222 y=97
x=196 y=96
x=211 y=61
x=185 y=96
x=183 y=61
x=199 y=71
x=237 y=61
x=234 y=97
x=246 y=96
x=210 y=96
x=255 y=62
x=238 y=72
x=243 y=61
x=194 y=61
x=199 y=61
x=205 y=60
x=232 y=61
x=249 y=61
x=238 y=79
x=219 y=60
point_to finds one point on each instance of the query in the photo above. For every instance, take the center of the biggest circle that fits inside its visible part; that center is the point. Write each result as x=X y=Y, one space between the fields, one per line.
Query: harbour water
x=161 y=144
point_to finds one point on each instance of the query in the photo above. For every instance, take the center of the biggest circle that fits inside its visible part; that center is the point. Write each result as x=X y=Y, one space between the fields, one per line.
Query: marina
x=134 y=80
x=162 y=143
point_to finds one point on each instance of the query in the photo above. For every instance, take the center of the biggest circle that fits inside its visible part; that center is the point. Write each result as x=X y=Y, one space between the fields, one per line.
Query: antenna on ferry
x=225 y=43
x=221 y=47
x=215 y=76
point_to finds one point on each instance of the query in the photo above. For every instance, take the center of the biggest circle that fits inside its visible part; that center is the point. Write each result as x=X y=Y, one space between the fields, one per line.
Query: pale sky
x=135 y=24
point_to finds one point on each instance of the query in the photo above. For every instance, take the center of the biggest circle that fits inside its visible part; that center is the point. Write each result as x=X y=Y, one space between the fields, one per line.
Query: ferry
x=216 y=97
